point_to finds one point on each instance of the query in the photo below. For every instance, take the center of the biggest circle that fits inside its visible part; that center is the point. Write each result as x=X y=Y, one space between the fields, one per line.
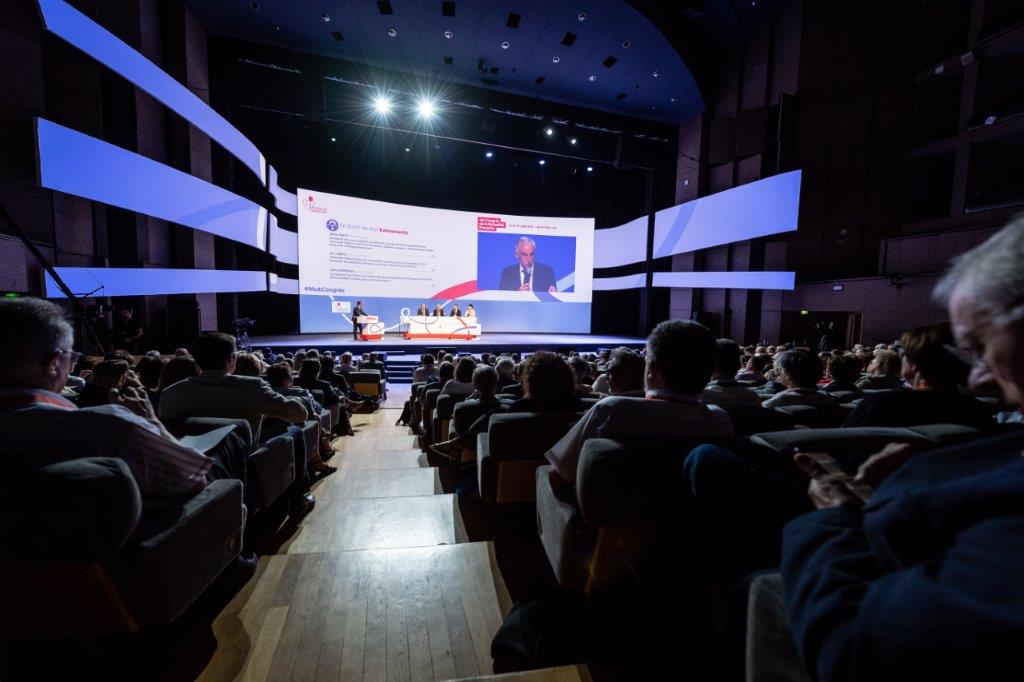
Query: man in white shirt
x=40 y=427
x=425 y=370
x=681 y=356
x=723 y=390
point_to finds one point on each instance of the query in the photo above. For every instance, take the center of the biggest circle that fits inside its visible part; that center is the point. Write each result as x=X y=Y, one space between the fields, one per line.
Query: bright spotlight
x=489 y=154
x=590 y=169
x=542 y=162
x=425 y=108
x=334 y=139
x=382 y=105
x=572 y=140
x=549 y=131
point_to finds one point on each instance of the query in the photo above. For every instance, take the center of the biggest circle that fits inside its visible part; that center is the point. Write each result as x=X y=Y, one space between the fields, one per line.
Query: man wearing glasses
x=41 y=427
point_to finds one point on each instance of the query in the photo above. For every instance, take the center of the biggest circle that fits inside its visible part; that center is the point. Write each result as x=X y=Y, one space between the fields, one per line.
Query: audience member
x=40 y=427
x=462 y=383
x=425 y=370
x=505 y=367
x=179 y=368
x=624 y=374
x=753 y=372
x=480 y=404
x=149 y=369
x=345 y=366
x=843 y=372
x=935 y=376
x=217 y=392
x=724 y=389
x=108 y=377
x=681 y=357
x=799 y=371
x=923 y=581
x=883 y=372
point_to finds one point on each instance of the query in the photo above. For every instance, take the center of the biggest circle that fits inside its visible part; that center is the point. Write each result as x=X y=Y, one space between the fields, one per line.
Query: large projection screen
x=393 y=257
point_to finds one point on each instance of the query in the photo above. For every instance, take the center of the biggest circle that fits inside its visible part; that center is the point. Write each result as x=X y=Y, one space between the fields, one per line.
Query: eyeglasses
x=73 y=354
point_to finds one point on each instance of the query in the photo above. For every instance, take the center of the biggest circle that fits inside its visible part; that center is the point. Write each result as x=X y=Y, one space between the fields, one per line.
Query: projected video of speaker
x=520 y=273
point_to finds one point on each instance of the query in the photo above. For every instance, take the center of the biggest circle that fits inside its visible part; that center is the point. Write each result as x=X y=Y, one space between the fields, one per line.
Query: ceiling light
x=489 y=154
x=334 y=139
x=674 y=99
x=382 y=105
x=582 y=16
x=590 y=169
x=392 y=32
x=407 y=149
x=425 y=108
x=542 y=162
x=504 y=45
x=555 y=60
x=448 y=35
x=989 y=120
x=656 y=74
x=549 y=131
x=572 y=140
x=592 y=78
x=325 y=17
x=626 y=44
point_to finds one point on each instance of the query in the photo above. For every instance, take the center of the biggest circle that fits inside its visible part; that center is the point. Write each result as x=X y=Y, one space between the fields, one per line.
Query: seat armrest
x=175 y=555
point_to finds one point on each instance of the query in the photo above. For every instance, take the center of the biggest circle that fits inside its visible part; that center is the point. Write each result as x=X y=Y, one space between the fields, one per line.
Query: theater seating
x=367 y=382
x=88 y=561
x=592 y=532
x=750 y=420
x=429 y=403
x=443 y=411
x=512 y=448
x=815 y=416
x=270 y=468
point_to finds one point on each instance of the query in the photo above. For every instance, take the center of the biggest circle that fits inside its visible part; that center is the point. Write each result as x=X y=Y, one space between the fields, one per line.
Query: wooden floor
x=377 y=583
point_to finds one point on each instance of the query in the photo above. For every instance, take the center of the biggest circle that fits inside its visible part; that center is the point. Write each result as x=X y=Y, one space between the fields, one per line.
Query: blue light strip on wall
x=284 y=245
x=75 y=163
x=757 y=209
x=702 y=280
x=65 y=21
x=154 y=281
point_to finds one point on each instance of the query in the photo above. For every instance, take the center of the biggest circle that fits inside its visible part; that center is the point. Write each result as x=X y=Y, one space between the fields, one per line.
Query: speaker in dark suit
x=357 y=328
x=526 y=274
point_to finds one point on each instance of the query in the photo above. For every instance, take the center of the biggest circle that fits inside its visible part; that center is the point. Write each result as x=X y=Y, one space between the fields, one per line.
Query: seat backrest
x=431 y=402
x=527 y=435
x=92 y=505
x=851 y=446
x=815 y=416
x=633 y=481
x=750 y=420
x=446 y=405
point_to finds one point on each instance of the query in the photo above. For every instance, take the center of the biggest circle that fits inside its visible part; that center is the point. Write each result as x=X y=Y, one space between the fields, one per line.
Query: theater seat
x=815 y=416
x=594 y=532
x=429 y=404
x=512 y=448
x=443 y=411
x=367 y=382
x=89 y=562
x=851 y=446
x=270 y=468
x=750 y=420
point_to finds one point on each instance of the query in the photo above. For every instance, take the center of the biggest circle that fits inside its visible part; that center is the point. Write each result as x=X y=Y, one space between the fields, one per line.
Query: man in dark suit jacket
x=455 y=311
x=438 y=311
x=527 y=274
x=422 y=310
x=357 y=328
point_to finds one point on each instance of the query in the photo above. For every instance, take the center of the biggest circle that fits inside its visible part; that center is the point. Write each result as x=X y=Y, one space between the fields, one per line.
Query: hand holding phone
x=830 y=485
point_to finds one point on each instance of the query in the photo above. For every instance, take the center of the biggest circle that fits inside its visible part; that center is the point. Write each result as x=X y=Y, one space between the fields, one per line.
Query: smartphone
x=830 y=467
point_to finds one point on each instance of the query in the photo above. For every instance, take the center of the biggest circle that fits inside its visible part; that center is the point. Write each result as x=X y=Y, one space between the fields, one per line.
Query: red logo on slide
x=489 y=224
x=310 y=203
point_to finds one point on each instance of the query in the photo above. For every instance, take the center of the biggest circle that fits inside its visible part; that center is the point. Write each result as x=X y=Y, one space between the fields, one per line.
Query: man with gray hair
x=40 y=427
x=922 y=580
x=527 y=274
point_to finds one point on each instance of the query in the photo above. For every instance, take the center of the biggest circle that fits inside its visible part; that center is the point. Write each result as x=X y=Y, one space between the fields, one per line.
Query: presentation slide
x=521 y=273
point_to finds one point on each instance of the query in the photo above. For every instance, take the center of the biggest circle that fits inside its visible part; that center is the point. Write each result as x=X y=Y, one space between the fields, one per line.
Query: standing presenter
x=527 y=274
x=357 y=327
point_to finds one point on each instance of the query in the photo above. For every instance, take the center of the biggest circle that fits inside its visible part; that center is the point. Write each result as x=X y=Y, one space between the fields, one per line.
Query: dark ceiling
x=610 y=56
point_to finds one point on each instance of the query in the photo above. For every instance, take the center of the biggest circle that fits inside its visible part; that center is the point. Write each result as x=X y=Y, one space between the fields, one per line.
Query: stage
x=490 y=343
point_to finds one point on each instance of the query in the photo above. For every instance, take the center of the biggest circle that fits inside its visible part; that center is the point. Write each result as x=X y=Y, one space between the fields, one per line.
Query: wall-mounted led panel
x=154 y=281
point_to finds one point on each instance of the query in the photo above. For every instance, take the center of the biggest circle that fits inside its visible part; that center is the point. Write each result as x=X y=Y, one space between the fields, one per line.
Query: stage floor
x=488 y=342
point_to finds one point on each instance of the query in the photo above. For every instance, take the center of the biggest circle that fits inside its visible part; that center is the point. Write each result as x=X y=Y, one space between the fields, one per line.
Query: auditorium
x=567 y=341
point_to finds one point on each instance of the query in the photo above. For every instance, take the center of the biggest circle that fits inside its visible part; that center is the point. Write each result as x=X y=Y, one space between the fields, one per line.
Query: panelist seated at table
x=470 y=311
x=422 y=310
x=438 y=311
x=455 y=311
